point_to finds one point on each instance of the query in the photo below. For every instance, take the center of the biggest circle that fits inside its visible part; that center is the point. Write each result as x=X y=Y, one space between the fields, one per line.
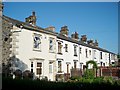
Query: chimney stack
x=83 y=38
x=51 y=28
x=33 y=13
x=31 y=19
x=96 y=43
x=90 y=42
x=75 y=36
x=64 y=30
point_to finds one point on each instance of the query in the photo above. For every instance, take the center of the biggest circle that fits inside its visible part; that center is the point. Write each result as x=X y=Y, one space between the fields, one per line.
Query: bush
x=75 y=77
x=82 y=84
x=89 y=74
x=27 y=74
x=18 y=74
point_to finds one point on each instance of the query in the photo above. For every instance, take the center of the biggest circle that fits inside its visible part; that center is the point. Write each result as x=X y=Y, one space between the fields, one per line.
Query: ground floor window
x=59 y=66
x=31 y=67
x=50 y=68
x=39 y=68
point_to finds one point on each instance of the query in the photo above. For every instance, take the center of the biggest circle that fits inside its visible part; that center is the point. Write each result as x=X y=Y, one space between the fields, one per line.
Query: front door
x=51 y=71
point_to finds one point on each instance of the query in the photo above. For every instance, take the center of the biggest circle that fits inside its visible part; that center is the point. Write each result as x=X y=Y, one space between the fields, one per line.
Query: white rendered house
x=35 y=47
x=49 y=54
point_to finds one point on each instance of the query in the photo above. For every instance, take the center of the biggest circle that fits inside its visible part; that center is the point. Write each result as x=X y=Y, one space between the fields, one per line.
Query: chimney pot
x=52 y=28
x=64 y=30
x=83 y=38
x=31 y=19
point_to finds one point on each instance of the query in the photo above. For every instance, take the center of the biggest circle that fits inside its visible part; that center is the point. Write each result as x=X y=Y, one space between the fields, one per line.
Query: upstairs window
x=59 y=48
x=100 y=55
x=51 y=44
x=86 y=53
x=75 y=50
x=94 y=54
x=37 y=42
x=66 y=47
x=80 y=50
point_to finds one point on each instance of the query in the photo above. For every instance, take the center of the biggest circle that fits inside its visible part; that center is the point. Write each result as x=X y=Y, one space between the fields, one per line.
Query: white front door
x=51 y=75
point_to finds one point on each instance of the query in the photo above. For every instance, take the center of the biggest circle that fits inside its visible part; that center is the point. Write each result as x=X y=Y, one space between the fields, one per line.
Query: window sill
x=37 y=50
x=51 y=52
x=59 y=53
x=75 y=55
x=60 y=72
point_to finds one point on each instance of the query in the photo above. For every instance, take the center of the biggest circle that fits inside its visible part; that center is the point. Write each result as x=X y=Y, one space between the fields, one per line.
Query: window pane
x=39 y=64
x=31 y=70
x=75 y=64
x=66 y=47
x=37 y=41
x=59 y=66
x=75 y=50
x=51 y=43
x=50 y=68
x=59 y=47
x=31 y=64
x=86 y=53
x=39 y=71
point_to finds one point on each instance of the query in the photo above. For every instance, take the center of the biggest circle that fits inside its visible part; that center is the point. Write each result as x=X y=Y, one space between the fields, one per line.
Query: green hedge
x=9 y=83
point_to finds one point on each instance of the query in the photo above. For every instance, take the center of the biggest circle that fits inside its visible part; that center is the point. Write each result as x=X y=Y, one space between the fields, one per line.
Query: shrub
x=27 y=74
x=75 y=77
x=18 y=74
x=89 y=74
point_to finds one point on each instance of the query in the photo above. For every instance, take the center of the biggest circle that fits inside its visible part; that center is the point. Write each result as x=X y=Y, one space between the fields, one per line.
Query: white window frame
x=38 y=48
x=51 y=44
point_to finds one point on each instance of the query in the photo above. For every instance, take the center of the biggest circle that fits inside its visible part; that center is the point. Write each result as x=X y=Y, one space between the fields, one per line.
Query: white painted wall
x=26 y=52
x=68 y=56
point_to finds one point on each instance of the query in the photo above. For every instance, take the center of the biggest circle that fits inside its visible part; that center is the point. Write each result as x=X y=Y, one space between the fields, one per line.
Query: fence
x=110 y=71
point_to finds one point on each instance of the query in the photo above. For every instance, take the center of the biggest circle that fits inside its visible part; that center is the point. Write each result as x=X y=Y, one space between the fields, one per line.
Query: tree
x=13 y=64
x=118 y=56
x=91 y=73
x=91 y=62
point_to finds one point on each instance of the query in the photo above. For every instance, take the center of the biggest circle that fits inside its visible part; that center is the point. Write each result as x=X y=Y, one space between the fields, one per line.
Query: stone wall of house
x=6 y=33
x=0 y=37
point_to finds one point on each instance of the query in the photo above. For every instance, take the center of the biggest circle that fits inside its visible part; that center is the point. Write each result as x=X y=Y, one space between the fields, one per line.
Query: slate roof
x=81 y=43
x=39 y=29
x=27 y=25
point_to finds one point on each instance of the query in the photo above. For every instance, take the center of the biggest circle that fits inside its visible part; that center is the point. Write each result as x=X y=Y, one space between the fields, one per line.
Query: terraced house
x=47 y=53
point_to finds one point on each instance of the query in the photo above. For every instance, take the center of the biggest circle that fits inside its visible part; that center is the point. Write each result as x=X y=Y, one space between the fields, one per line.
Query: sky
x=97 y=20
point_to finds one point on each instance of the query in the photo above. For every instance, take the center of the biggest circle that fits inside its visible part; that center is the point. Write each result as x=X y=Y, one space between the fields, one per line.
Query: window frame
x=53 y=46
x=86 y=53
x=75 y=50
x=39 y=68
x=39 y=42
x=66 y=47
x=60 y=67
x=60 y=48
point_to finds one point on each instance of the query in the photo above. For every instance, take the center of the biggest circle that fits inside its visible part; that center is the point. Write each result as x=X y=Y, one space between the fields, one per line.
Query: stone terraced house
x=47 y=53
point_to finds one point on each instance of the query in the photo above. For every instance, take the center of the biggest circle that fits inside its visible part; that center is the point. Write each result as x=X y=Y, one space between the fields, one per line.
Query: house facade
x=47 y=53
x=73 y=53
x=33 y=47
